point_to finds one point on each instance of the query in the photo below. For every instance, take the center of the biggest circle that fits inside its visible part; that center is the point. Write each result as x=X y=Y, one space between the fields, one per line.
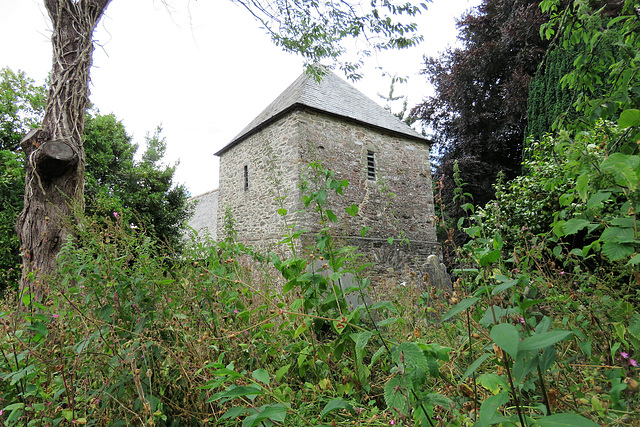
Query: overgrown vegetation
x=141 y=192
x=229 y=335
x=541 y=327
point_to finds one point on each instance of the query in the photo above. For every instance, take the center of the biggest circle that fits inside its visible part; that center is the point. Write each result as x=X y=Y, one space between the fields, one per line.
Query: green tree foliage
x=548 y=99
x=555 y=95
x=605 y=74
x=142 y=193
x=21 y=108
x=478 y=113
x=11 y=193
x=319 y=30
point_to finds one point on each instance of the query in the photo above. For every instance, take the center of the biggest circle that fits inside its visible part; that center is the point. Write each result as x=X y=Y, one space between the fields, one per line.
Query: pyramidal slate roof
x=331 y=95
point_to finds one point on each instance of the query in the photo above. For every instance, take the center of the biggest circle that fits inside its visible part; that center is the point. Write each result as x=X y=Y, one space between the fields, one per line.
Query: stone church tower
x=385 y=162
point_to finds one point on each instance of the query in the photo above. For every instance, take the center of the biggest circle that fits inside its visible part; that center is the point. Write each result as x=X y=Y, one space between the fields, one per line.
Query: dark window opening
x=246 y=177
x=371 y=166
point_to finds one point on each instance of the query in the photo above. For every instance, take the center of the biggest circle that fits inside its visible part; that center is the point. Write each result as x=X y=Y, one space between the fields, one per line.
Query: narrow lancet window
x=371 y=166
x=246 y=178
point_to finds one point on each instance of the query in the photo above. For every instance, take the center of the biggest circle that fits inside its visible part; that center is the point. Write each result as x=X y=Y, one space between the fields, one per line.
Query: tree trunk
x=55 y=156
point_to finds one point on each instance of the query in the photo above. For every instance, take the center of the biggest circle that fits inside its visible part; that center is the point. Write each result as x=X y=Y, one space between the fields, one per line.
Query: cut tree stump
x=54 y=158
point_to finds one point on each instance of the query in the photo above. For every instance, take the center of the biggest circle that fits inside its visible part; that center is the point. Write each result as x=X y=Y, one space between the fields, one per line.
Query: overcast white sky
x=203 y=70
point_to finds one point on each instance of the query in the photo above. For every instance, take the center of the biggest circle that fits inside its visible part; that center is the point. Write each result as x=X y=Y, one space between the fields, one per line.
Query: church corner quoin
x=385 y=162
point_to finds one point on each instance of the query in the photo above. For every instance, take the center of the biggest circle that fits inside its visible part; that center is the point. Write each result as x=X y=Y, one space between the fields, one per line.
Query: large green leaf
x=574 y=225
x=261 y=375
x=634 y=326
x=234 y=412
x=475 y=365
x=361 y=339
x=624 y=167
x=489 y=409
x=565 y=420
x=410 y=354
x=489 y=257
x=492 y=382
x=459 y=308
x=250 y=392
x=629 y=118
x=541 y=341
x=504 y=286
x=395 y=394
x=616 y=251
x=506 y=336
x=618 y=235
x=336 y=404
x=597 y=199
x=277 y=413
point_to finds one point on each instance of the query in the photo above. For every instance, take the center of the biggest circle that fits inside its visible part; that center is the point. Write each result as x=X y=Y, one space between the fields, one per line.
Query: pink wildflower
x=235 y=311
x=624 y=355
x=392 y=422
x=633 y=363
x=115 y=214
x=55 y=316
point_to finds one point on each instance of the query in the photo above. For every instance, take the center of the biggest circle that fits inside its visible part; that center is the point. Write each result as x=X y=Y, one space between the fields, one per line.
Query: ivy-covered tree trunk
x=54 y=153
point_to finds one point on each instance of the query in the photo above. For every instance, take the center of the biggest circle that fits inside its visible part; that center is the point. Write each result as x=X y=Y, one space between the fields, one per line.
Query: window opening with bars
x=246 y=177
x=371 y=166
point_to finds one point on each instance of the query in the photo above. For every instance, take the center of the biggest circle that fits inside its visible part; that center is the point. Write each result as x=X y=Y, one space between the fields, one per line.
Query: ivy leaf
x=352 y=210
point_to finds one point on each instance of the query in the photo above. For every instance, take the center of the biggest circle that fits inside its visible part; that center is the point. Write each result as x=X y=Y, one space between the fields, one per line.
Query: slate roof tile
x=330 y=95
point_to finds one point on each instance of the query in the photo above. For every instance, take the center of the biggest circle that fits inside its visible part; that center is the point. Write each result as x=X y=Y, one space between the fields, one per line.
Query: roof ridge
x=332 y=95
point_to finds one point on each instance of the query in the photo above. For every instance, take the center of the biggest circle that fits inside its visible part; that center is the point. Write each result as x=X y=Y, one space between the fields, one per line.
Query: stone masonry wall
x=205 y=215
x=399 y=203
x=271 y=156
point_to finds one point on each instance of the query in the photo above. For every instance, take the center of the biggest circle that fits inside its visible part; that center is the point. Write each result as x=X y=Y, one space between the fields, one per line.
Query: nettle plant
x=508 y=338
x=514 y=290
x=346 y=351
x=605 y=164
